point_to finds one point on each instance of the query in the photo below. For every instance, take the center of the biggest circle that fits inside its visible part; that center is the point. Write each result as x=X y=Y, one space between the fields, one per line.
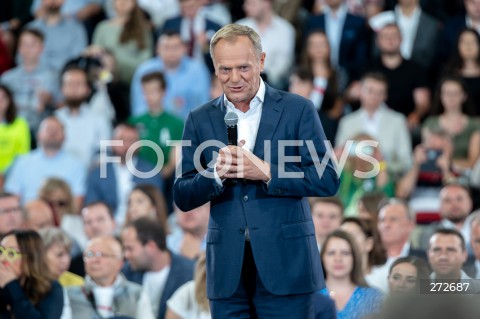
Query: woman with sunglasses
x=27 y=290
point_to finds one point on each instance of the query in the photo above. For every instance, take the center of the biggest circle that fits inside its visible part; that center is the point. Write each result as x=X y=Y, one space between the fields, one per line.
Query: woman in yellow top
x=14 y=131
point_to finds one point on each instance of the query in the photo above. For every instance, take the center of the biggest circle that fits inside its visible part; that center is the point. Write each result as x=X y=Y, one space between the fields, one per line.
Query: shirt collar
x=257 y=99
x=340 y=13
x=415 y=14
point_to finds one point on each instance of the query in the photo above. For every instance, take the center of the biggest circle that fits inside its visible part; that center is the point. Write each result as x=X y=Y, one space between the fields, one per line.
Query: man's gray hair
x=230 y=32
x=411 y=215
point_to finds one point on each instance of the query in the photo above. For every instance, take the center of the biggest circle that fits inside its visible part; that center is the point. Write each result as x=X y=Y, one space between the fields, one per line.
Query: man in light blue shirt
x=188 y=81
x=30 y=171
x=78 y=9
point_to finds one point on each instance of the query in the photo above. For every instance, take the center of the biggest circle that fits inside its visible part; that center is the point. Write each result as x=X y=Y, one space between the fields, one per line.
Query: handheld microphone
x=231 y=119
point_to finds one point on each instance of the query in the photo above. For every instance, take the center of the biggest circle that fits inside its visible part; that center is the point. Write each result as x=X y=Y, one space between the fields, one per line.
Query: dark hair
x=371 y=201
x=438 y=108
x=303 y=74
x=148 y=230
x=171 y=33
x=377 y=256
x=11 y=112
x=75 y=68
x=100 y=203
x=35 y=32
x=423 y=271
x=155 y=76
x=456 y=62
x=6 y=194
x=36 y=279
x=377 y=76
x=449 y=231
x=356 y=274
x=134 y=28
x=327 y=200
x=157 y=199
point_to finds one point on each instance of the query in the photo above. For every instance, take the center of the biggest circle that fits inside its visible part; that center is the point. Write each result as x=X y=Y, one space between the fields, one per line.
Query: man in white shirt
x=83 y=128
x=106 y=292
x=271 y=28
x=474 y=269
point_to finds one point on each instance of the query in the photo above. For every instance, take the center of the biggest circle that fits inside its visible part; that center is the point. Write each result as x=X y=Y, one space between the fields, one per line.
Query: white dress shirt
x=408 y=27
x=153 y=285
x=372 y=122
x=334 y=22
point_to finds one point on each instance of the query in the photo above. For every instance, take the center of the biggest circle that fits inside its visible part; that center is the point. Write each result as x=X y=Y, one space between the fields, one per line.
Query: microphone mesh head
x=231 y=118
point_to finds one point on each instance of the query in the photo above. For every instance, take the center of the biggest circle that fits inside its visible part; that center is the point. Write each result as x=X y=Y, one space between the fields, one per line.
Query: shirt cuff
x=217 y=178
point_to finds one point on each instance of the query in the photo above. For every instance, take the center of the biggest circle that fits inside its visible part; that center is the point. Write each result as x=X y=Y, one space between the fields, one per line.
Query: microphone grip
x=232 y=134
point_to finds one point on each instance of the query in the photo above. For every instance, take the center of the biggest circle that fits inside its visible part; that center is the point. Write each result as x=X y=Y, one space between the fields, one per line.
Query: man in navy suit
x=262 y=258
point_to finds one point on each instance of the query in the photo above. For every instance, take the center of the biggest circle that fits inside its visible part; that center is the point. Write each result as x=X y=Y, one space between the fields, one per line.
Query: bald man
x=106 y=292
x=37 y=214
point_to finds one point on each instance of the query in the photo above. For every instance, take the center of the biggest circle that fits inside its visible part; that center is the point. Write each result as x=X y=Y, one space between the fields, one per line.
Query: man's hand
x=237 y=162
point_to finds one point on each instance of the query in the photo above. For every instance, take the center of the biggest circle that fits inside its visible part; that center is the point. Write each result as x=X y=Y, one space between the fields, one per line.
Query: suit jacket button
x=241 y=231
x=245 y=198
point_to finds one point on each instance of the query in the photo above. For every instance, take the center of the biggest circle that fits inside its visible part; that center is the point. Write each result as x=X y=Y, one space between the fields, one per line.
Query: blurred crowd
x=93 y=91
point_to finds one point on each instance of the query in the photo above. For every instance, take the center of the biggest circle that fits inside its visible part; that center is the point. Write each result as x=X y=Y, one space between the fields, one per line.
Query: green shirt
x=158 y=129
x=14 y=140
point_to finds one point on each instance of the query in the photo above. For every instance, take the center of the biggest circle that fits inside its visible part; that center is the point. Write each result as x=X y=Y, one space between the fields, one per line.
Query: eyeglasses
x=10 y=253
x=88 y=255
x=58 y=203
x=7 y=210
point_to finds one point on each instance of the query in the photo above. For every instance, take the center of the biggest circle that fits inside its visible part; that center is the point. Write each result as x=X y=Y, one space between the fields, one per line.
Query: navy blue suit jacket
x=353 y=44
x=105 y=189
x=181 y=271
x=278 y=216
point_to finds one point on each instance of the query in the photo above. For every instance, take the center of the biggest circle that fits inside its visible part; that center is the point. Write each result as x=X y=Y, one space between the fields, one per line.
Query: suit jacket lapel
x=217 y=115
x=271 y=112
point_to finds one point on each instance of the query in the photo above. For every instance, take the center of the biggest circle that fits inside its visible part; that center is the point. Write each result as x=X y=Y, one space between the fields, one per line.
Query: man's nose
x=235 y=75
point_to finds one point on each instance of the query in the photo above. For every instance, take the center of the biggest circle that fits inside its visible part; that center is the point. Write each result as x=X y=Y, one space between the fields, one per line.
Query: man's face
x=326 y=218
x=334 y=3
x=255 y=8
x=40 y=215
x=51 y=134
x=407 y=2
x=171 y=49
x=301 y=87
x=394 y=225
x=446 y=255
x=455 y=203
x=106 y=267
x=154 y=93
x=53 y=6
x=475 y=239
x=30 y=47
x=97 y=221
x=238 y=69
x=473 y=8
x=190 y=8
x=194 y=221
x=134 y=251
x=75 y=87
x=372 y=93
x=128 y=136
x=10 y=214
x=389 y=40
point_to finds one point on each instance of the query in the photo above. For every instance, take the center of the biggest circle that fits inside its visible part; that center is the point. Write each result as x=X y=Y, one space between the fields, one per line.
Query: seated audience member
x=157 y=125
x=431 y=169
x=14 y=132
x=368 y=206
x=358 y=176
x=348 y=37
x=84 y=129
x=371 y=251
x=127 y=35
x=446 y=256
x=472 y=269
x=261 y=17
x=10 y=213
x=58 y=48
x=180 y=72
x=159 y=271
x=106 y=293
x=406 y=274
x=37 y=215
x=195 y=28
x=58 y=245
x=49 y=160
x=452 y=112
x=376 y=119
x=98 y=221
x=57 y=193
x=27 y=289
x=33 y=84
x=74 y=9
x=396 y=222
x=146 y=201
x=465 y=63
x=344 y=278
x=455 y=208
x=190 y=300
x=113 y=178
x=327 y=215
x=189 y=234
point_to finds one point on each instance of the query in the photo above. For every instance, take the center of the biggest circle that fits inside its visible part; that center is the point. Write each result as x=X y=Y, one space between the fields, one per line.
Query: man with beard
x=64 y=38
x=84 y=129
x=455 y=207
x=30 y=171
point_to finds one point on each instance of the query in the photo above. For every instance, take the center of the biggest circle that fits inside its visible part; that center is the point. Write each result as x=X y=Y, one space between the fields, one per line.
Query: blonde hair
x=53 y=184
x=55 y=236
x=230 y=32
